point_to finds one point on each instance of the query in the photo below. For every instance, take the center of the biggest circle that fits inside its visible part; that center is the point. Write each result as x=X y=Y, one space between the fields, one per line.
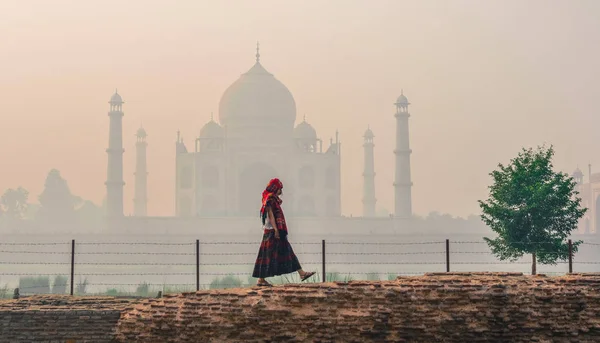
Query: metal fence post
x=570 y=256
x=324 y=278
x=447 y=255
x=72 y=265
x=197 y=265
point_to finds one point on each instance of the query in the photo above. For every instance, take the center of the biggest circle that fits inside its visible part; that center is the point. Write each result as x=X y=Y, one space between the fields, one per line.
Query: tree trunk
x=533 y=264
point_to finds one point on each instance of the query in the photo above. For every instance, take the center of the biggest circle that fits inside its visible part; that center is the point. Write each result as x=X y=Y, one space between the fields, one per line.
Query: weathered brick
x=437 y=307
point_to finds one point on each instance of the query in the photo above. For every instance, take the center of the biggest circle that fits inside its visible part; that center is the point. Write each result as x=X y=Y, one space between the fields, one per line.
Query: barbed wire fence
x=146 y=268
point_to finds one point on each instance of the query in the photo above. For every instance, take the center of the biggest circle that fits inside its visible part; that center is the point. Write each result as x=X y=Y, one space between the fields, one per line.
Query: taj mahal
x=220 y=173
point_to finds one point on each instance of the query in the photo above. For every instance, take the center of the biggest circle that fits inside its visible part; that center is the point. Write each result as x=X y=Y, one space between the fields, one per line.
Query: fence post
x=570 y=256
x=197 y=265
x=72 y=265
x=324 y=278
x=447 y=255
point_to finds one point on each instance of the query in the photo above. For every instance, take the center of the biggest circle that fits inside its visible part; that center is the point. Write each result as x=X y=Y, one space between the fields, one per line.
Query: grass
x=228 y=281
x=295 y=278
x=34 y=285
x=4 y=292
x=373 y=276
x=81 y=287
x=59 y=286
x=43 y=285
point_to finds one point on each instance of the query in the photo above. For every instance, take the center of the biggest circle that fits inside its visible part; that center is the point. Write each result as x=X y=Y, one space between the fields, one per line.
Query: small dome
x=577 y=173
x=402 y=99
x=369 y=133
x=305 y=132
x=141 y=133
x=116 y=99
x=211 y=130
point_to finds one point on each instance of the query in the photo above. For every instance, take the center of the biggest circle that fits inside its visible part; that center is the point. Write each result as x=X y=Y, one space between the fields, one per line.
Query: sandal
x=307 y=275
x=263 y=284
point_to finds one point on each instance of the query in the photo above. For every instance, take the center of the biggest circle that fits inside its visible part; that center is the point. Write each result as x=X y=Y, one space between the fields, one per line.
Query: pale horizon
x=484 y=79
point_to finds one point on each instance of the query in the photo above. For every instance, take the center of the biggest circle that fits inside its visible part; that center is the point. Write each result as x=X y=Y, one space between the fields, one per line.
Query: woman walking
x=275 y=256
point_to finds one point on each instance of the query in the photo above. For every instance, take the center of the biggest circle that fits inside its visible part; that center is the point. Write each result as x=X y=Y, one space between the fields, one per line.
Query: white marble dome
x=305 y=131
x=211 y=130
x=257 y=96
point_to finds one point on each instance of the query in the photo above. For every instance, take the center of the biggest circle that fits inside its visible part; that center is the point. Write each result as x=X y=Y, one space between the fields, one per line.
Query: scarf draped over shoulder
x=272 y=201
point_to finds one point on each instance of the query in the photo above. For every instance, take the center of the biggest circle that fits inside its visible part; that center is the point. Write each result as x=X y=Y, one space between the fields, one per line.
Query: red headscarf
x=271 y=191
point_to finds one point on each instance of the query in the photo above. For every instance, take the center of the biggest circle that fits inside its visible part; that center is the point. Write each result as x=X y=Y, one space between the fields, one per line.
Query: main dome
x=257 y=96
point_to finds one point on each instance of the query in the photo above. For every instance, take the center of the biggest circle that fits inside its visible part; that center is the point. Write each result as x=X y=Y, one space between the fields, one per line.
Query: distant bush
x=112 y=292
x=228 y=281
x=176 y=289
x=34 y=285
x=373 y=276
x=4 y=292
x=142 y=289
x=59 y=286
x=333 y=277
x=82 y=286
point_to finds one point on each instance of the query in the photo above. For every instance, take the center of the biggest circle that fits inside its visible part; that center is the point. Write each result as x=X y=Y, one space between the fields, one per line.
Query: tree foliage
x=14 y=203
x=57 y=204
x=532 y=208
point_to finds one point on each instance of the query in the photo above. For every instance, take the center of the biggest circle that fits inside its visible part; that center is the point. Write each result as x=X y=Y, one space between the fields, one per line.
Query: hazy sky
x=484 y=78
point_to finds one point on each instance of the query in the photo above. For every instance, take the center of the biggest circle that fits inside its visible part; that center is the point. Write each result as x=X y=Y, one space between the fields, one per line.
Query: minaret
x=369 y=176
x=403 y=183
x=141 y=175
x=114 y=180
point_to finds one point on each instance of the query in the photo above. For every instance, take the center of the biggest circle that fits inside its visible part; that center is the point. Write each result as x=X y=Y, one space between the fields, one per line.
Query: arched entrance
x=253 y=181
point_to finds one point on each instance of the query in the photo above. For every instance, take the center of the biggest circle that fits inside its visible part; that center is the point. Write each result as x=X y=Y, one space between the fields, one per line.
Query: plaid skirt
x=275 y=256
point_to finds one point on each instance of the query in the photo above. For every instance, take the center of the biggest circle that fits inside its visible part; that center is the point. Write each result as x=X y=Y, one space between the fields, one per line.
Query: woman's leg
x=262 y=267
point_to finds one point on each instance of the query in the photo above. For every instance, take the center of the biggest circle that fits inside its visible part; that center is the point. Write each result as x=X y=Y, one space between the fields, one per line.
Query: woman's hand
x=276 y=234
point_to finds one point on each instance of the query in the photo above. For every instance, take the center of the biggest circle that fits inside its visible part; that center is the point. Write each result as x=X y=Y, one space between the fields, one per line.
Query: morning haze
x=484 y=78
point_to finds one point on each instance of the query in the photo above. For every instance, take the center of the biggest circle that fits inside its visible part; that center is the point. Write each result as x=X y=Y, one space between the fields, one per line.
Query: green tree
x=532 y=208
x=13 y=203
x=57 y=204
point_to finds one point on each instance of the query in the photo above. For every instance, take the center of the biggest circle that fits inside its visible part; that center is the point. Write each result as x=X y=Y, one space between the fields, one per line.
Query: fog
x=484 y=78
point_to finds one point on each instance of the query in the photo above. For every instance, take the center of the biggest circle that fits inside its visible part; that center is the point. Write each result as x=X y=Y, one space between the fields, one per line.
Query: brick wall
x=439 y=307
x=60 y=319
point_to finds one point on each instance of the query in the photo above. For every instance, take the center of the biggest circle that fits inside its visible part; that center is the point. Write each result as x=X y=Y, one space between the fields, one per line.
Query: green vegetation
x=59 y=286
x=142 y=289
x=14 y=203
x=4 y=292
x=81 y=287
x=57 y=206
x=34 y=285
x=373 y=276
x=42 y=285
x=166 y=289
x=532 y=209
x=228 y=281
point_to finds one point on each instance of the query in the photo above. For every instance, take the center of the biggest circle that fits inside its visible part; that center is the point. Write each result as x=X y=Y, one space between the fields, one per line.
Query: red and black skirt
x=275 y=256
